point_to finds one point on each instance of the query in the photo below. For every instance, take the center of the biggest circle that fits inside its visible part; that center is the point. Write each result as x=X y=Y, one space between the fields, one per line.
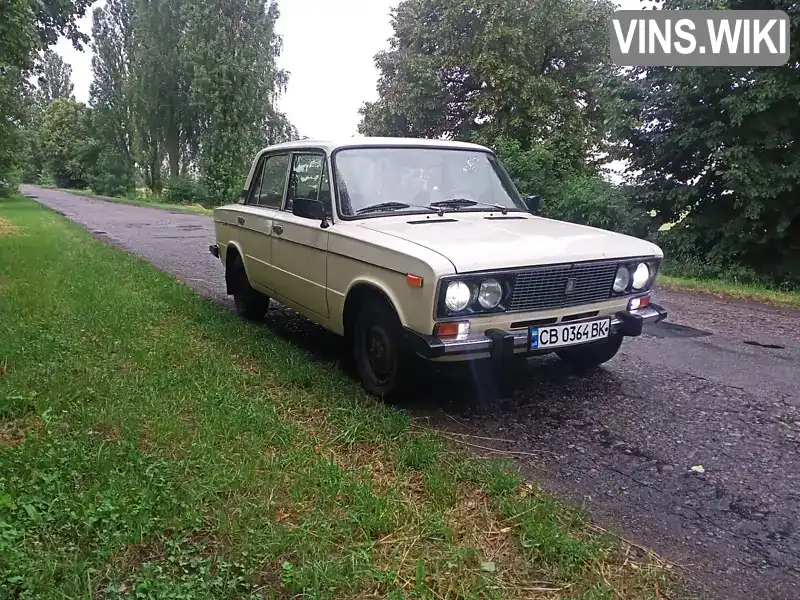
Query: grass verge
x=744 y=291
x=191 y=208
x=152 y=445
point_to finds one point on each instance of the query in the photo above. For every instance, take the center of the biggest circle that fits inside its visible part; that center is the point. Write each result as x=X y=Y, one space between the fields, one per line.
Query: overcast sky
x=329 y=57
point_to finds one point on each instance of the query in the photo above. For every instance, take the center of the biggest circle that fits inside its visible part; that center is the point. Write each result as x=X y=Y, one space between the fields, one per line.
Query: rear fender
x=225 y=254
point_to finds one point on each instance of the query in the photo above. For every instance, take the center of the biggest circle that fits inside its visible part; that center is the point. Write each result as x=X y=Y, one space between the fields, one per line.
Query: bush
x=142 y=194
x=33 y=164
x=686 y=255
x=112 y=175
x=185 y=190
x=9 y=182
x=588 y=200
x=45 y=179
x=30 y=174
x=572 y=190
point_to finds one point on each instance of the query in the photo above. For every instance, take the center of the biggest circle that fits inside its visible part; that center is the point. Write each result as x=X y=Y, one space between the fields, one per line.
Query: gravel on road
x=717 y=386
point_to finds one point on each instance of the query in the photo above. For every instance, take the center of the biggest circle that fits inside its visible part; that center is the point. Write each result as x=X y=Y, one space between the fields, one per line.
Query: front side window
x=273 y=181
x=383 y=180
x=306 y=178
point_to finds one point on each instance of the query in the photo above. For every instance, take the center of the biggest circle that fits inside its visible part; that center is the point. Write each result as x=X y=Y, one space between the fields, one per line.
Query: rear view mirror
x=310 y=209
x=533 y=203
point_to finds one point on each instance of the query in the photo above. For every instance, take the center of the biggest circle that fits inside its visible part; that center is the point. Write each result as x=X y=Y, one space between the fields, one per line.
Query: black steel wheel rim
x=380 y=353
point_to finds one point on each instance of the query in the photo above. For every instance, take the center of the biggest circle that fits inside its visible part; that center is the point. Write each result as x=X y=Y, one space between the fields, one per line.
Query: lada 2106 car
x=425 y=247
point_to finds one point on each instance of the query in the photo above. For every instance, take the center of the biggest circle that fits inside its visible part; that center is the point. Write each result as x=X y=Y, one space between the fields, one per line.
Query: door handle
x=277 y=229
x=240 y=220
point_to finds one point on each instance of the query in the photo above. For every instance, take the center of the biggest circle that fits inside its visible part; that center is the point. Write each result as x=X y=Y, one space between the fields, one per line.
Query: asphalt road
x=717 y=386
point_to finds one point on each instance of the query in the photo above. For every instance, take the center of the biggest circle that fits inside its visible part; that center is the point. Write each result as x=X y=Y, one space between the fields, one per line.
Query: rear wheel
x=381 y=359
x=592 y=355
x=250 y=304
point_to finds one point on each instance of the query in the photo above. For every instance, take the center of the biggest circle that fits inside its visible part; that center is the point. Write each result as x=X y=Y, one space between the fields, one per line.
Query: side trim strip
x=363 y=262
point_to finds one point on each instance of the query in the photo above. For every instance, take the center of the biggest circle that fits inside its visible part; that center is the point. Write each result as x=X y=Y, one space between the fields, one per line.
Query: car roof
x=360 y=142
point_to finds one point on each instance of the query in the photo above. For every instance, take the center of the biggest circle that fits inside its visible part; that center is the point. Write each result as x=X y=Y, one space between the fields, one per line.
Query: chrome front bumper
x=501 y=344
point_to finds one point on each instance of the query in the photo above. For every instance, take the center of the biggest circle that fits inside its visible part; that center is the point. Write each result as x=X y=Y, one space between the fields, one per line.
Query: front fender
x=413 y=305
x=382 y=286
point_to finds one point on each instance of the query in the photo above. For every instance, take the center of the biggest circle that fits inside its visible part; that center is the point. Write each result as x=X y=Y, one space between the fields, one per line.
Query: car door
x=300 y=245
x=255 y=218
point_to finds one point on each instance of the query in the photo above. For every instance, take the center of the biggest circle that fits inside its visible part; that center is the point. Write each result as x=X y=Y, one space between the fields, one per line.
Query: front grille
x=545 y=288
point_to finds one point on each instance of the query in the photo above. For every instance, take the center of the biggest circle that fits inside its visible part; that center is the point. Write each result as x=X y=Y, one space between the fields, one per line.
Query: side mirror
x=242 y=197
x=533 y=203
x=310 y=209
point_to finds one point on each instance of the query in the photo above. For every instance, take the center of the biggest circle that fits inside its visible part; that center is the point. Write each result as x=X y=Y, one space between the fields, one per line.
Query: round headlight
x=490 y=294
x=457 y=296
x=641 y=276
x=622 y=280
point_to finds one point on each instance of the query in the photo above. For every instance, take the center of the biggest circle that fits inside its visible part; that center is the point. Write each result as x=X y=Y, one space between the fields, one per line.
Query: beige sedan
x=425 y=248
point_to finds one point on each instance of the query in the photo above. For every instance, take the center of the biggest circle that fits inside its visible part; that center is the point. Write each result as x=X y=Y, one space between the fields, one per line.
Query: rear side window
x=255 y=185
x=273 y=181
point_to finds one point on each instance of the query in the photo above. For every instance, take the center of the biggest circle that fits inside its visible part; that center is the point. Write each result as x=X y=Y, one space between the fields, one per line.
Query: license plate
x=567 y=335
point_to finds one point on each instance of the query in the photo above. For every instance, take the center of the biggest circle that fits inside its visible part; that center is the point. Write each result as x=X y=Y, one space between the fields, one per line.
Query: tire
x=592 y=355
x=381 y=359
x=250 y=304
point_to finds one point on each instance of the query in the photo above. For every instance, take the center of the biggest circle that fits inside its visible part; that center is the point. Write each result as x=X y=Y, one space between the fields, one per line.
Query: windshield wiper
x=456 y=202
x=396 y=206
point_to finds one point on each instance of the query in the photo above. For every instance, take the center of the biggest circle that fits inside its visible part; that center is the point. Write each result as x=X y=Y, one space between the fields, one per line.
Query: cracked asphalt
x=717 y=386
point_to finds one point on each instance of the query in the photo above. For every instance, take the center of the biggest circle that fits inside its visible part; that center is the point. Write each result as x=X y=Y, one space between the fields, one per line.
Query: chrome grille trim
x=545 y=288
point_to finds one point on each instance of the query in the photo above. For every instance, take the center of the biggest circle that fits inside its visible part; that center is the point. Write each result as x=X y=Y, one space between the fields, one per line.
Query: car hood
x=479 y=241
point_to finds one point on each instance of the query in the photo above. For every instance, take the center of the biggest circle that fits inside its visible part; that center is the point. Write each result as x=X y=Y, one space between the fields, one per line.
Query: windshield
x=411 y=179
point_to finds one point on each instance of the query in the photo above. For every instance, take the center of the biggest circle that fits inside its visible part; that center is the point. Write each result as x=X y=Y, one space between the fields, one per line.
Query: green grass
x=190 y=208
x=745 y=291
x=152 y=445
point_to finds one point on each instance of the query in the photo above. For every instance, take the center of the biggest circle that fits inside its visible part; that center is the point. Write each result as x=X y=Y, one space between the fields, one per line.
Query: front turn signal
x=414 y=280
x=450 y=329
x=639 y=303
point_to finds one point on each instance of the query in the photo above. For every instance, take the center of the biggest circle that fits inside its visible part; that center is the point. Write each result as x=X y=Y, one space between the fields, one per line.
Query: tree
x=55 y=79
x=165 y=118
x=66 y=142
x=183 y=85
x=26 y=27
x=18 y=35
x=18 y=41
x=55 y=18
x=529 y=70
x=232 y=47
x=530 y=78
x=716 y=149
x=111 y=92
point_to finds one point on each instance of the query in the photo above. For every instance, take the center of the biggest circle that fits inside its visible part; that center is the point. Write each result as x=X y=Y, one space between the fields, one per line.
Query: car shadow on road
x=458 y=388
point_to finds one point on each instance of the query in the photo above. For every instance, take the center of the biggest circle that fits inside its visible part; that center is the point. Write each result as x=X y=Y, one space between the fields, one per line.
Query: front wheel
x=379 y=354
x=593 y=354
